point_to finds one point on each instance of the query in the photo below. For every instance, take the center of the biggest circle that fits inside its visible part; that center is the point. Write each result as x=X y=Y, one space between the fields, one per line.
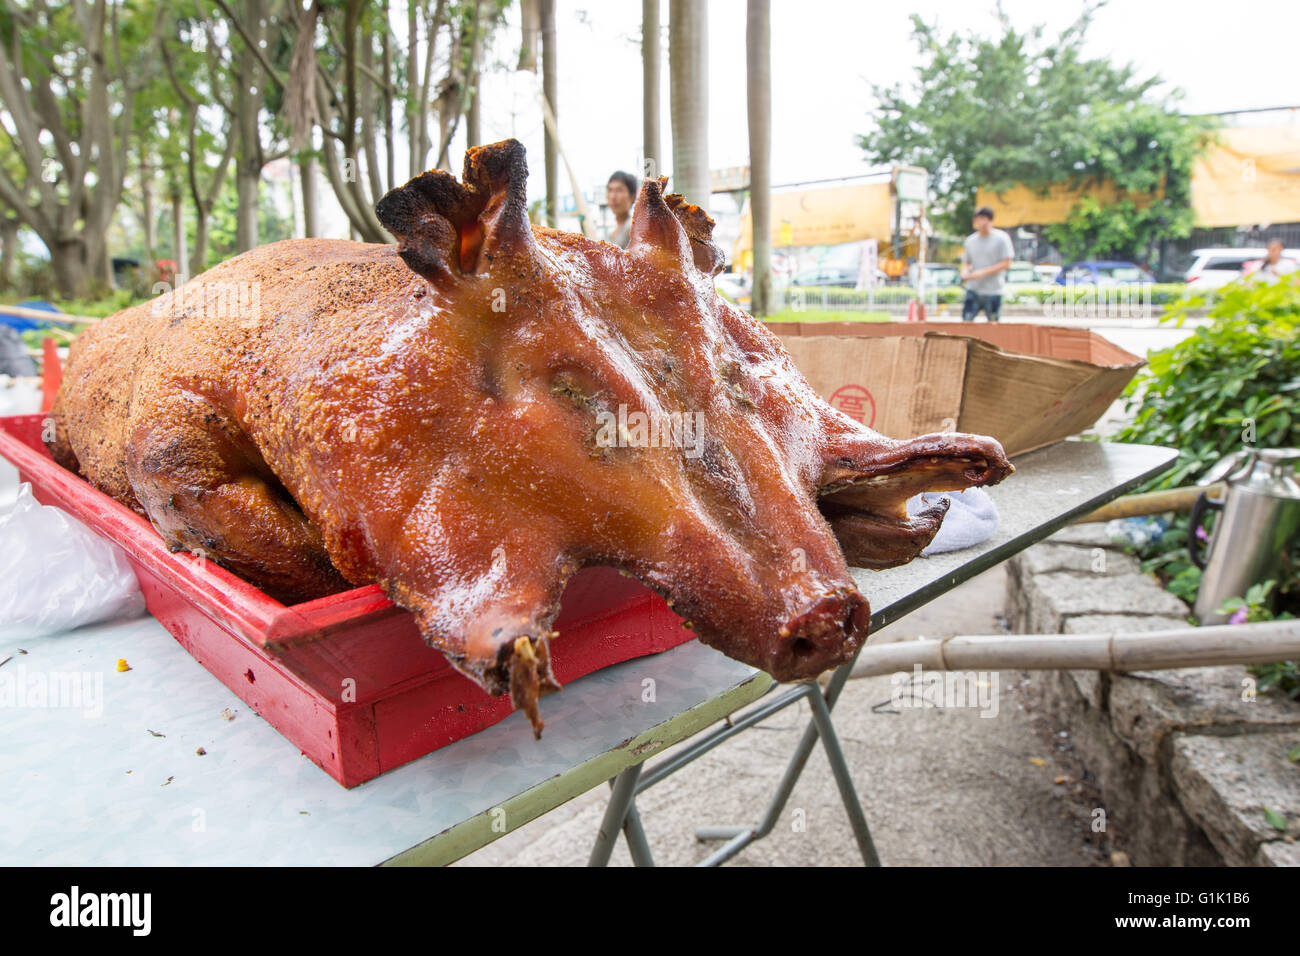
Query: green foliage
x=1254 y=607
x=1274 y=819
x=1019 y=108
x=1238 y=378
x=272 y=225
x=1283 y=676
x=820 y=315
x=1144 y=150
x=1233 y=383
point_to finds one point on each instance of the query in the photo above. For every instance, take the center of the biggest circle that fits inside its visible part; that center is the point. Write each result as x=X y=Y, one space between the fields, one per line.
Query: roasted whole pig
x=470 y=416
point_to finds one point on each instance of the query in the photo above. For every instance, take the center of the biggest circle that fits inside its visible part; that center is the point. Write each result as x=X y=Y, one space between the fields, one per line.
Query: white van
x=1212 y=268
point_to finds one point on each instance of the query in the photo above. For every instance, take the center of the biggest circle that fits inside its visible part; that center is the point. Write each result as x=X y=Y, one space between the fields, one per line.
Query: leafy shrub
x=1234 y=382
x=1231 y=384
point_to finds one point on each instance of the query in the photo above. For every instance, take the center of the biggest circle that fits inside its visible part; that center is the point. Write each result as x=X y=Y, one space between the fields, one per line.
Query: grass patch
x=822 y=315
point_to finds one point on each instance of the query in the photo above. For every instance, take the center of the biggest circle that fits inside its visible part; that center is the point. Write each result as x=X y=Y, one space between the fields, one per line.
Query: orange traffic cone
x=51 y=373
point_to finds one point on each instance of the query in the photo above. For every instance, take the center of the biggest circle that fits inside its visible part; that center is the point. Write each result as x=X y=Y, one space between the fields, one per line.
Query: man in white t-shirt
x=986 y=256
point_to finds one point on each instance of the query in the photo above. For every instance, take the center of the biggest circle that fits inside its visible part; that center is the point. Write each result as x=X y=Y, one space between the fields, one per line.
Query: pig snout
x=824 y=633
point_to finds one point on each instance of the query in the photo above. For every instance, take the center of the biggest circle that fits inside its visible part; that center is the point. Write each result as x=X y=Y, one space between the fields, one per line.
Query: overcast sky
x=826 y=55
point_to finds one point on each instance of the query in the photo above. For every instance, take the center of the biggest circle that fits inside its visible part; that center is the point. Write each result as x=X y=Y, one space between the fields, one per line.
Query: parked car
x=826 y=276
x=832 y=278
x=1253 y=266
x=1046 y=272
x=1212 y=268
x=1102 y=272
x=734 y=286
x=1021 y=273
x=938 y=275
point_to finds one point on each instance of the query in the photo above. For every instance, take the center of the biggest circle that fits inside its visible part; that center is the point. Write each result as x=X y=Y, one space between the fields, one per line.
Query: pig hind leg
x=208 y=491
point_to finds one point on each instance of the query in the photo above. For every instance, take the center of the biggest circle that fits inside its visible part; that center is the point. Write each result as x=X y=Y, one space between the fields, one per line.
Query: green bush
x=1234 y=383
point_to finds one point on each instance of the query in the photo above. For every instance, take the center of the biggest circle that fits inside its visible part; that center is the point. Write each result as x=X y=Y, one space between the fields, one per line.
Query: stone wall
x=1187 y=761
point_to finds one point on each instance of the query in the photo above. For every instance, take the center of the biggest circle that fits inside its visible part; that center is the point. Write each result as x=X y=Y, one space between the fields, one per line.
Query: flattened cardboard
x=1026 y=385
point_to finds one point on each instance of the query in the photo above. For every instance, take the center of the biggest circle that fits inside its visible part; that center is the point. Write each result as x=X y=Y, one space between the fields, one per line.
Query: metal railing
x=894 y=299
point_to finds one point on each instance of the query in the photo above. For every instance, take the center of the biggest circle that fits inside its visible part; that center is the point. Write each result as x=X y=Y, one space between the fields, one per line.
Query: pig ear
x=657 y=234
x=668 y=229
x=446 y=229
x=698 y=226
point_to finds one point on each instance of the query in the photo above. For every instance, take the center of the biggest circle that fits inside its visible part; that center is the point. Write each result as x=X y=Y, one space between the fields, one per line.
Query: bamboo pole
x=1259 y=643
x=584 y=217
x=58 y=318
x=1151 y=503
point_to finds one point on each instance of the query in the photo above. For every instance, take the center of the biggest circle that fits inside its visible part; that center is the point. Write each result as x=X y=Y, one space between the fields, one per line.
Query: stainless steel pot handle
x=1203 y=504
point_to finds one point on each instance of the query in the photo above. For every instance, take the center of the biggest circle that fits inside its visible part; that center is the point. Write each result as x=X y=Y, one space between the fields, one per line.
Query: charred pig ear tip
x=444 y=227
x=497 y=166
x=653 y=188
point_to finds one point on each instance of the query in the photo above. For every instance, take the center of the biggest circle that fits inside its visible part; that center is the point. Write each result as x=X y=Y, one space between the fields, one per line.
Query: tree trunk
x=414 y=107
x=473 y=130
x=369 y=109
x=149 y=268
x=650 y=88
x=549 y=83
x=246 y=180
x=178 y=238
x=8 y=251
x=758 y=68
x=688 y=65
x=71 y=271
x=199 y=260
x=390 y=147
x=248 y=100
x=307 y=173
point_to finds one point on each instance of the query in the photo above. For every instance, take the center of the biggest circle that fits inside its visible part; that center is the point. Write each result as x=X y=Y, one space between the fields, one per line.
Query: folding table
x=115 y=776
x=1051 y=487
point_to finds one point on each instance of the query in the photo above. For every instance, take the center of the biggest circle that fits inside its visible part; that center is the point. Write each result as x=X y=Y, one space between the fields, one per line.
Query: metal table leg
x=740 y=837
x=615 y=815
x=621 y=813
x=633 y=832
x=835 y=756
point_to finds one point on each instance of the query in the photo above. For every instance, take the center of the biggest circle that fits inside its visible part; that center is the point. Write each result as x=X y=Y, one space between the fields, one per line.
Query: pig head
x=617 y=411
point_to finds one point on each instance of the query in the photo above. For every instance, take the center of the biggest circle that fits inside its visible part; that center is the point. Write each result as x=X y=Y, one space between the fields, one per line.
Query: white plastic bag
x=972 y=518
x=18 y=396
x=57 y=574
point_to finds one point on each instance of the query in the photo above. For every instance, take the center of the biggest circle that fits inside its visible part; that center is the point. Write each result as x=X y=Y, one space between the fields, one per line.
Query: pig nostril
x=802 y=648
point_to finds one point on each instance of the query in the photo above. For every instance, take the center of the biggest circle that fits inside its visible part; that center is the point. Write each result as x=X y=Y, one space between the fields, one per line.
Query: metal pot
x=1258 y=521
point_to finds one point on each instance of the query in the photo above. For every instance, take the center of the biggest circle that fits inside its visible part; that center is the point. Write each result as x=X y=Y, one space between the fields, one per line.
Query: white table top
x=81 y=788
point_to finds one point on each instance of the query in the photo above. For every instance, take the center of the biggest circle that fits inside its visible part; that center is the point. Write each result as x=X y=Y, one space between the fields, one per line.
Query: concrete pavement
x=941 y=786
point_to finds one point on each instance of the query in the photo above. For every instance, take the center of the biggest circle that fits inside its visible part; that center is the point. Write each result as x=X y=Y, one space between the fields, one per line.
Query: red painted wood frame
x=346 y=678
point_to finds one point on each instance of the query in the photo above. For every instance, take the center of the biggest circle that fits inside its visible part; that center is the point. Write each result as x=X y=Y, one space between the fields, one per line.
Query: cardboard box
x=1026 y=385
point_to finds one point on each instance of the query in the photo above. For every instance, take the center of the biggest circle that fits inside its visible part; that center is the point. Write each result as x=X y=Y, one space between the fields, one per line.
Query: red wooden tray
x=347 y=678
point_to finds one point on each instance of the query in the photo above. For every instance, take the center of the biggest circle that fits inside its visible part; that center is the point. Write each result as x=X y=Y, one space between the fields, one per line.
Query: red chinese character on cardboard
x=856 y=402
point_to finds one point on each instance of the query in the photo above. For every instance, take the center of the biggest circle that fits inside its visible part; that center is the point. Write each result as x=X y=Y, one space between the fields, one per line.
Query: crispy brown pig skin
x=472 y=415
